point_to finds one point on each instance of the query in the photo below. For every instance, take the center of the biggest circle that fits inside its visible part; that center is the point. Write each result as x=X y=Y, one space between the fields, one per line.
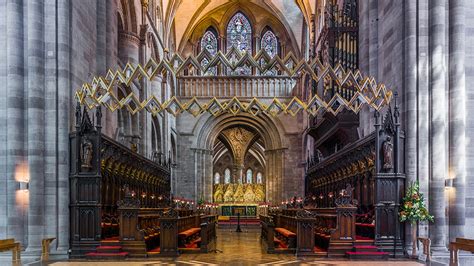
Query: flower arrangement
x=413 y=208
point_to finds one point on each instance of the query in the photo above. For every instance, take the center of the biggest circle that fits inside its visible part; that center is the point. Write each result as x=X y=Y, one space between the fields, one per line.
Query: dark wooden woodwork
x=101 y=170
x=377 y=190
x=333 y=229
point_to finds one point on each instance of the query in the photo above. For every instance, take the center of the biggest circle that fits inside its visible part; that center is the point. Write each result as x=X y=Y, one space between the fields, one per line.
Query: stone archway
x=207 y=131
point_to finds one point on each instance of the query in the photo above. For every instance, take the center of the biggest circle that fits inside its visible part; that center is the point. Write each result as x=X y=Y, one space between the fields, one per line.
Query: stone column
x=410 y=101
x=50 y=123
x=36 y=120
x=15 y=120
x=438 y=125
x=423 y=101
x=64 y=102
x=457 y=118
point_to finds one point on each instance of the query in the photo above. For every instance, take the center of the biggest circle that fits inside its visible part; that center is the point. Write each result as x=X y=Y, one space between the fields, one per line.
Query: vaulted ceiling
x=185 y=15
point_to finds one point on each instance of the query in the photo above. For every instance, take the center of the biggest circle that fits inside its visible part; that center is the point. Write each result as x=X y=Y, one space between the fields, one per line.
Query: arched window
x=249 y=176
x=269 y=44
x=217 y=178
x=239 y=35
x=209 y=42
x=259 y=178
x=227 y=176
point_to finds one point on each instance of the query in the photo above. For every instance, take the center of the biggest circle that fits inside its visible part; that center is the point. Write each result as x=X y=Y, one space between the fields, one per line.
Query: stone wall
x=48 y=49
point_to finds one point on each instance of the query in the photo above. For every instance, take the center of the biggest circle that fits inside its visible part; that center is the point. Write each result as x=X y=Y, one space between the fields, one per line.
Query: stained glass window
x=259 y=178
x=239 y=35
x=249 y=176
x=217 y=178
x=269 y=43
x=227 y=176
x=209 y=42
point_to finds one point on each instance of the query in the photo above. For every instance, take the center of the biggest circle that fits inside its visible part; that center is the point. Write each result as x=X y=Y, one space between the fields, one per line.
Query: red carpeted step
x=109 y=249
x=154 y=251
x=364 y=238
x=100 y=255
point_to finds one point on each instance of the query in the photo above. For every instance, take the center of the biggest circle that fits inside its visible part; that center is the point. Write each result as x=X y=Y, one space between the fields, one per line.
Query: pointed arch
x=239 y=33
x=259 y=178
x=209 y=42
x=249 y=176
x=227 y=176
x=217 y=178
x=269 y=42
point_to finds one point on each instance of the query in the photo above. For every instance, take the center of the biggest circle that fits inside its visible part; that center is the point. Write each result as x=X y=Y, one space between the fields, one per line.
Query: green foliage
x=413 y=208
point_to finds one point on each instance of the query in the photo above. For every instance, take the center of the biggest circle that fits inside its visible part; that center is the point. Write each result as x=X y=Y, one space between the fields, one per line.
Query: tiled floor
x=236 y=249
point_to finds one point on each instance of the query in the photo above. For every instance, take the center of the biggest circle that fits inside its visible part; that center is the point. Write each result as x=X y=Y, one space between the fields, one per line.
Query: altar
x=239 y=193
x=245 y=210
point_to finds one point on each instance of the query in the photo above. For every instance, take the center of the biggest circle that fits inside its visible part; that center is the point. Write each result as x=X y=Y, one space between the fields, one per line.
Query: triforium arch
x=207 y=131
x=258 y=16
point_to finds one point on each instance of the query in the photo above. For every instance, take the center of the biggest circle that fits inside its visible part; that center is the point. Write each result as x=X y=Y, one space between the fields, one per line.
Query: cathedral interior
x=216 y=132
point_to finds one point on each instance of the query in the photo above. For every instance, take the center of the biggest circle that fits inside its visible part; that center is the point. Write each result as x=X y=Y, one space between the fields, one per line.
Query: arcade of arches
x=306 y=121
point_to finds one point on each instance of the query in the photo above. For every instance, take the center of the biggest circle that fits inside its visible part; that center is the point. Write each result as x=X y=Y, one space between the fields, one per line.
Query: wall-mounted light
x=23 y=185
x=448 y=183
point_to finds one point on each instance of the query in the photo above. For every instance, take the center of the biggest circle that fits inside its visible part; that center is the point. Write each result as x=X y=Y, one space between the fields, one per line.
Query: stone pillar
x=423 y=99
x=50 y=125
x=15 y=120
x=438 y=125
x=36 y=120
x=410 y=101
x=64 y=102
x=457 y=118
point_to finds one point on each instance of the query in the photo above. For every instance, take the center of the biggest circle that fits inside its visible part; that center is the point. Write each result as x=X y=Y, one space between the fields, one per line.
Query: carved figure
x=249 y=194
x=219 y=193
x=387 y=150
x=319 y=156
x=86 y=153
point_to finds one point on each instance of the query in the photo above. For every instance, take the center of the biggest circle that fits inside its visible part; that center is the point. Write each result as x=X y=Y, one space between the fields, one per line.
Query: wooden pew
x=189 y=232
x=140 y=231
x=459 y=244
x=335 y=228
x=285 y=231
x=268 y=233
x=10 y=244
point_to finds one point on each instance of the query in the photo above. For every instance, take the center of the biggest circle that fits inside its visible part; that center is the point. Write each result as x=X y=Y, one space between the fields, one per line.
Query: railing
x=238 y=86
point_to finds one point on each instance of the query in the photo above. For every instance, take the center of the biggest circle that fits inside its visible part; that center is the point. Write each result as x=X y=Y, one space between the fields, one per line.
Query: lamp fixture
x=448 y=183
x=23 y=185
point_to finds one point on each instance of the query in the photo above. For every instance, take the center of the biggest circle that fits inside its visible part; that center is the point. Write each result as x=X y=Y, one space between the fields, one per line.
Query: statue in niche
x=319 y=156
x=387 y=150
x=86 y=153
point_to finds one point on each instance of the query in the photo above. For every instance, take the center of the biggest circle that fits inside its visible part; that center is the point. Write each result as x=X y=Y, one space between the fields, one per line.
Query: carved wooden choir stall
x=120 y=201
x=351 y=202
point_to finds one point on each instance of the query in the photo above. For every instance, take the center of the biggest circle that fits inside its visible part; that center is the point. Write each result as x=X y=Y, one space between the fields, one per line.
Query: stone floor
x=233 y=249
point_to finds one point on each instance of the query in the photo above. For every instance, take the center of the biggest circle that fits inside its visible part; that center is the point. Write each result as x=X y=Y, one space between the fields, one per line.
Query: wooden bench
x=459 y=244
x=149 y=226
x=189 y=232
x=285 y=228
x=10 y=244
x=45 y=248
